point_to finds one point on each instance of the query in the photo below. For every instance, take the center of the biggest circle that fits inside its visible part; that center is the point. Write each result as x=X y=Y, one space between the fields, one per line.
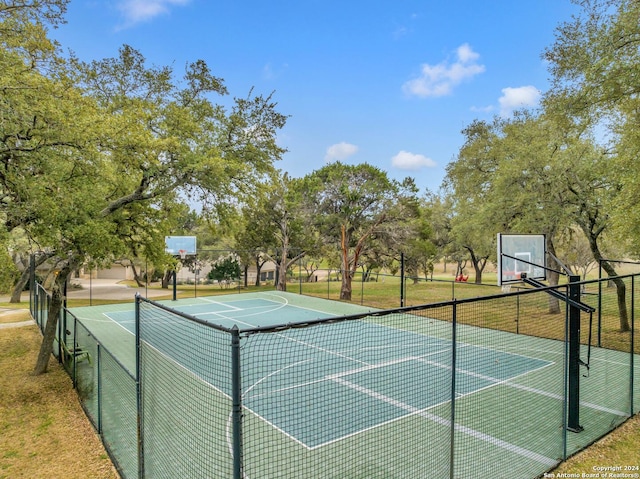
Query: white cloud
x=269 y=72
x=521 y=97
x=136 y=11
x=411 y=161
x=439 y=80
x=340 y=151
x=483 y=109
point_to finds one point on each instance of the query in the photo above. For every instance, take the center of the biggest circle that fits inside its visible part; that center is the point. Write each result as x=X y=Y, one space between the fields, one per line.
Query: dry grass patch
x=619 y=448
x=14 y=315
x=44 y=432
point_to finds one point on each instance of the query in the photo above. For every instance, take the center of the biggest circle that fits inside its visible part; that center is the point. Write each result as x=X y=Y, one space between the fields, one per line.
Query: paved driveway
x=110 y=289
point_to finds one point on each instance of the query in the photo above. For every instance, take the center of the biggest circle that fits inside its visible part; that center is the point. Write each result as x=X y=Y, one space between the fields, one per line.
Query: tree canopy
x=96 y=155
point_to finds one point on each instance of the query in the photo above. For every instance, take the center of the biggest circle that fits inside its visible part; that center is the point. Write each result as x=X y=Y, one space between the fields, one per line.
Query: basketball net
x=182 y=253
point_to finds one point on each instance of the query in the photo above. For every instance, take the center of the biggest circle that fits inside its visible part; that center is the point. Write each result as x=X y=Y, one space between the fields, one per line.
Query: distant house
x=119 y=271
x=267 y=273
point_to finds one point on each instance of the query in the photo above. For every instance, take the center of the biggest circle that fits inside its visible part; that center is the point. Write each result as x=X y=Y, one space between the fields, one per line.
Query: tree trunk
x=554 y=278
x=621 y=290
x=259 y=264
x=55 y=306
x=282 y=274
x=166 y=278
x=18 y=288
x=478 y=263
x=346 y=288
x=136 y=276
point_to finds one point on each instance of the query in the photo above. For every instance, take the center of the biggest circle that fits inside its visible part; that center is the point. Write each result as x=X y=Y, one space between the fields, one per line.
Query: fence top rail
x=140 y=299
x=370 y=314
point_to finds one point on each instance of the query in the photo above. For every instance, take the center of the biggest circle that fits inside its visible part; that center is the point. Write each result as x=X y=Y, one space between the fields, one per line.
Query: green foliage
x=357 y=209
x=594 y=62
x=225 y=270
x=8 y=271
x=98 y=157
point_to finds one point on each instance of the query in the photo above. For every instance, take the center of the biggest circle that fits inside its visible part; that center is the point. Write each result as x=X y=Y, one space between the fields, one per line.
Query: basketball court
x=370 y=377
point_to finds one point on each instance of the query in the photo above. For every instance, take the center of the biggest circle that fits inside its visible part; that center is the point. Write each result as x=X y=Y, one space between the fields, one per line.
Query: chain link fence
x=464 y=388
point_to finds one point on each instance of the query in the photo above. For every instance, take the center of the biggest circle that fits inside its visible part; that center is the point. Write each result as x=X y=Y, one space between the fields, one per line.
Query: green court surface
x=380 y=388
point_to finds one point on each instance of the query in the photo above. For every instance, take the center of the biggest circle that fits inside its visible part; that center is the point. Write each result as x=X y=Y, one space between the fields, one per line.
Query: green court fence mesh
x=477 y=387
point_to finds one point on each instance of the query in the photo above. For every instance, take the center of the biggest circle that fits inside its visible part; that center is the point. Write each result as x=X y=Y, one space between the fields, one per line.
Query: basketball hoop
x=182 y=253
x=506 y=288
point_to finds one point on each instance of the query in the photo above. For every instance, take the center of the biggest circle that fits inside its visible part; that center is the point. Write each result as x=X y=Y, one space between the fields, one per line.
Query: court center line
x=445 y=422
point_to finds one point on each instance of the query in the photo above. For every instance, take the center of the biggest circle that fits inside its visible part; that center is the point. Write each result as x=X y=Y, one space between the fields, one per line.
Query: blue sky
x=390 y=83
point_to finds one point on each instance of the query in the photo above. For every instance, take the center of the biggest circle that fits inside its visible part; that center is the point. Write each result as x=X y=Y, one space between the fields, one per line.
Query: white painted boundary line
x=445 y=422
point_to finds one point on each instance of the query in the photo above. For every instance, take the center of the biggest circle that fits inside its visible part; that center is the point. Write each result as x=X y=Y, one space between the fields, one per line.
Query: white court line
x=108 y=320
x=312 y=346
x=278 y=371
x=331 y=377
x=387 y=363
x=507 y=382
x=445 y=422
x=212 y=301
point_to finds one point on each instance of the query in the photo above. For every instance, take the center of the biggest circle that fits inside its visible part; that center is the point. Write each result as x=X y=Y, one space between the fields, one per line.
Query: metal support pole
x=236 y=399
x=99 y=369
x=573 y=422
x=75 y=359
x=565 y=385
x=453 y=390
x=175 y=285
x=62 y=337
x=401 y=280
x=139 y=417
x=633 y=327
x=599 y=303
x=32 y=283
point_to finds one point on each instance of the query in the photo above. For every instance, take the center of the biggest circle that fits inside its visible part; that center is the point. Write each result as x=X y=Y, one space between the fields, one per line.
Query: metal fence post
x=401 y=280
x=99 y=368
x=565 y=382
x=75 y=361
x=453 y=390
x=236 y=398
x=599 y=303
x=573 y=422
x=632 y=349
x=139 y=394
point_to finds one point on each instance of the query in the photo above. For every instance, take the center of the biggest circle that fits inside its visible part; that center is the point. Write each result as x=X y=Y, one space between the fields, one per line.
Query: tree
x=257 y=234
x=353 y=206
x=140 y=137
x=225 y=270
x=292 y=239
x=595 y=85
x=440 y=207
x=469 y=183
x=419 y=250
